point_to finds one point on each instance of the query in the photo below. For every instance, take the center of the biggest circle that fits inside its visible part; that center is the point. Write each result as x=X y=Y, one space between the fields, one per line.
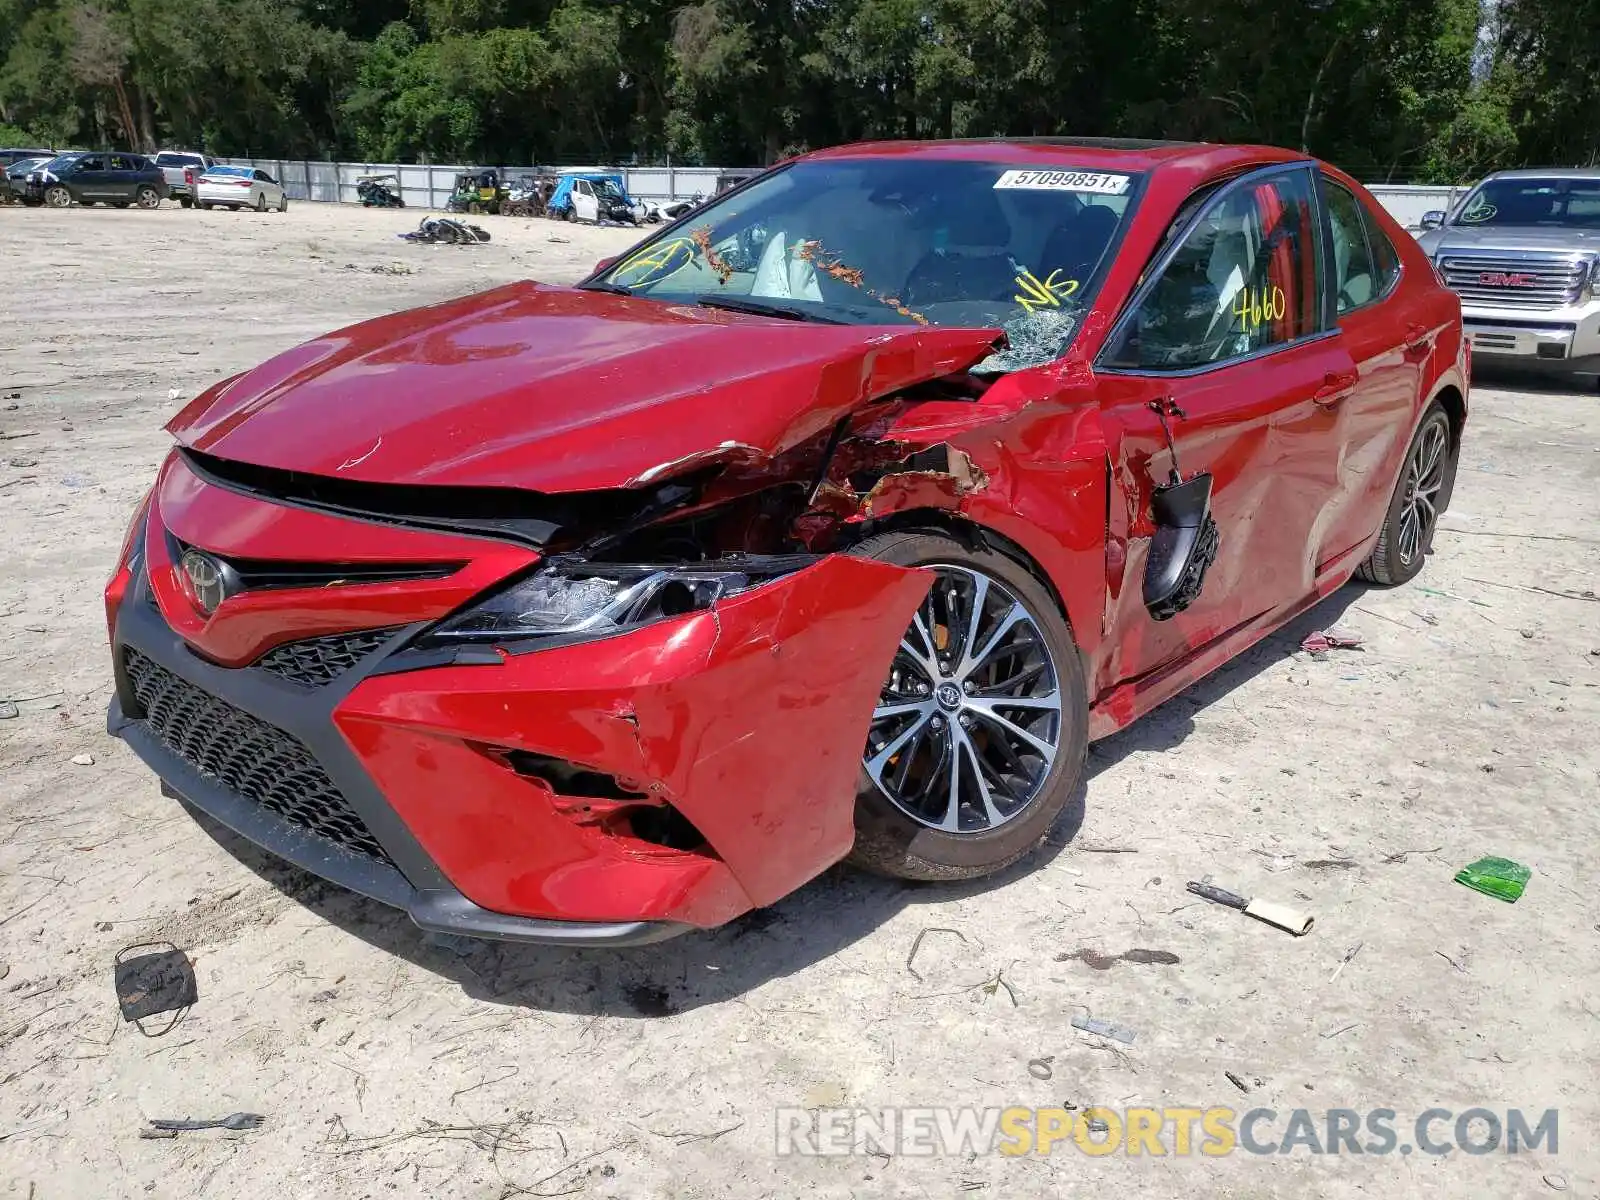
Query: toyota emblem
x=207 y=581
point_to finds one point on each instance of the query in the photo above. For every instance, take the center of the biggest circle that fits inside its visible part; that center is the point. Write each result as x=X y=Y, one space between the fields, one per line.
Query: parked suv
x=1523 y=253
x=97 y=177
x=182 y=169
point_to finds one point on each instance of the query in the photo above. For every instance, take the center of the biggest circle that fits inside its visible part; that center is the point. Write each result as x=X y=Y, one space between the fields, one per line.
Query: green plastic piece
x=1497 y=877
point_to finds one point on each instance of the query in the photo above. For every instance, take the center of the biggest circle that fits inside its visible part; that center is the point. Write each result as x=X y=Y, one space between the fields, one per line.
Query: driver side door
x=1232 y=335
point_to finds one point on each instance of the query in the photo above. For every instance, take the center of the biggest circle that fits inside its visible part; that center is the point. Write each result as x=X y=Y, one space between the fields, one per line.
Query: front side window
x=1244 y=279
x=1554 y=202
x=901 y=241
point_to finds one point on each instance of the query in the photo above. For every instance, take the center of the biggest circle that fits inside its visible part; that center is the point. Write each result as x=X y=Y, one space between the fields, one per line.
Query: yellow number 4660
x=1254 y=307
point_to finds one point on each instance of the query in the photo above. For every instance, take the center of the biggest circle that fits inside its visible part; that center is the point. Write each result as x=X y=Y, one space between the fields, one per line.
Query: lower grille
x=249 y=757
x=316 y=661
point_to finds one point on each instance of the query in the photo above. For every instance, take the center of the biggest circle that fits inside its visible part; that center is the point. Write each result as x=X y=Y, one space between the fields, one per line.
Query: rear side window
x=1355 y=279
x=1246 y=277
x=1385 y=259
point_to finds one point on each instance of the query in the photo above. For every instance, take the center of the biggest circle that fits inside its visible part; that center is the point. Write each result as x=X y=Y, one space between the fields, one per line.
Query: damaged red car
x=834 y=520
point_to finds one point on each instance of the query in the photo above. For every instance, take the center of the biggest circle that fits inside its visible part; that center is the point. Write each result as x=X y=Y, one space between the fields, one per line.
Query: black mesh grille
x=320 y=660
x=246 y=755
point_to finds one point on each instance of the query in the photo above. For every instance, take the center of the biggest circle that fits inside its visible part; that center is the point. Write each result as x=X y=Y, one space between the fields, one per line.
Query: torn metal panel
x=704 y=712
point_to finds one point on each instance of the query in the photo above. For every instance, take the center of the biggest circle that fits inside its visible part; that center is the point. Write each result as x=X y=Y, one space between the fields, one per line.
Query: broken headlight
x=594 y=599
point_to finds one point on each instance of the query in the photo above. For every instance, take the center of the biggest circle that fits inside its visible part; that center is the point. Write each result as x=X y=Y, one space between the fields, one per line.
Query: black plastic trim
x=415 y=883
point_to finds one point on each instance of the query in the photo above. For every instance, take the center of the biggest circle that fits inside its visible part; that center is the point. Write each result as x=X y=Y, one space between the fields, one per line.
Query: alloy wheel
x=1425 y=473
x=969 y=721
x=58 y=197
x=149 y=198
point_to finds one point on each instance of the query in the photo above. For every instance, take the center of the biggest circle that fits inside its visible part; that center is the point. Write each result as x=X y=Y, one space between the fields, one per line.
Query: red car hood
x=554 y=390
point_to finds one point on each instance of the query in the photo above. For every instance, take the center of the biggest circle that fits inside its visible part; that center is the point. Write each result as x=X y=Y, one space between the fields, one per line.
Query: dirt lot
x=390 y=1064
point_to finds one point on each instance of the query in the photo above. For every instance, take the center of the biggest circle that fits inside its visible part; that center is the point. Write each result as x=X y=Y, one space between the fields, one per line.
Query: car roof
x=1592 y=173
x=1123 y=154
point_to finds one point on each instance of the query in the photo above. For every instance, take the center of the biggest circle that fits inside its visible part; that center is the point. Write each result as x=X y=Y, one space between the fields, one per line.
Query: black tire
x=185 y=202
x=147 y=197
x=261 y=202
x=888 y=840
x=1390 y=563
x=207 y=207
x=283 y=203
x=57 y=197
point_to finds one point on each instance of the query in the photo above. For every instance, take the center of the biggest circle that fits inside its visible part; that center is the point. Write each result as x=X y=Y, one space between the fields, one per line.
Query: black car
x=113 y=177
x=14 y=154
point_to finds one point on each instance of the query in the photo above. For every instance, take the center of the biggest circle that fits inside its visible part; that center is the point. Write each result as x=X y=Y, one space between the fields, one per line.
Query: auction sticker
x=1097 y=182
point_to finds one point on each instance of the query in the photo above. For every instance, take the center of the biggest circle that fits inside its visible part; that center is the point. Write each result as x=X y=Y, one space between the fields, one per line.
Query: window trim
x=1154 y=271
x=1368 y=222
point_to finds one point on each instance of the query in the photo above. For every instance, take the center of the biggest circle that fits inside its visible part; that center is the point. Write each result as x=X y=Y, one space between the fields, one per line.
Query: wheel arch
x=977 y=536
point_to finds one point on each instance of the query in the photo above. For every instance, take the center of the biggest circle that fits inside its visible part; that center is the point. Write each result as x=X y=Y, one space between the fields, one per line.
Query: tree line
x=1392 y=90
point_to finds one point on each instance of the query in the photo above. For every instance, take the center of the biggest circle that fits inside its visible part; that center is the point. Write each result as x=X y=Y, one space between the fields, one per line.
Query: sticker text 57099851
x=1096 y=182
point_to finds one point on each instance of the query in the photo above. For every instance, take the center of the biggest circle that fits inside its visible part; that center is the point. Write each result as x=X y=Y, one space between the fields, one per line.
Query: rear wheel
x=147 y=197
x=978 y=739
x=1419 y=496
x=261 y=202
x=57 y=196
x=207 y=206
x=185 y=202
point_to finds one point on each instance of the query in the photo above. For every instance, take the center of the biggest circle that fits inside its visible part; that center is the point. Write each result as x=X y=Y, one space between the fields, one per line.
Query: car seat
x=1077 y=246
x=969 y=260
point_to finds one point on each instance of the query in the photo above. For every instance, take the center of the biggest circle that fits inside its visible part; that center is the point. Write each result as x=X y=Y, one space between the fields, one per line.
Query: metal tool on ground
x=1270 y=911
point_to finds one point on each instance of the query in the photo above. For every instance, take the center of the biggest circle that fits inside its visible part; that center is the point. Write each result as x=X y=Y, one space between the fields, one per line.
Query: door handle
x=1419 y=340
x=1336 y=386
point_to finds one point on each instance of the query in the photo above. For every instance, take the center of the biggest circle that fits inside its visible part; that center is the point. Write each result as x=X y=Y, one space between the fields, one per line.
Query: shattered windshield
x=1572 y=203
x=896 y=241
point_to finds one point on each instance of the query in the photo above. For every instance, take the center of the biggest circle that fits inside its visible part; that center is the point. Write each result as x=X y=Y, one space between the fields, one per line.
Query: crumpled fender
x=748 y=718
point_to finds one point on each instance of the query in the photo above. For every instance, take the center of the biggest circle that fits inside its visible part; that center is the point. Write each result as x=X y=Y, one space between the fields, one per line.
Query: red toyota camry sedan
x=834 y=520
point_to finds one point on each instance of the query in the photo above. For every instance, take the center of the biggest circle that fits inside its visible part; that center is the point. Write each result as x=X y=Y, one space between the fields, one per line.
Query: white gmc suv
x=1522 y=250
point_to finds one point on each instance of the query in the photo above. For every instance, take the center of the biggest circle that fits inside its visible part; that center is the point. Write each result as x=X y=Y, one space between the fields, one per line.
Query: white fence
x=1407 y=202
x=429 y=186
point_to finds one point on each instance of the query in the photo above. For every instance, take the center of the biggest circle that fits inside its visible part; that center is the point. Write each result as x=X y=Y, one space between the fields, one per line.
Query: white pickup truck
x=1522 y=250
x=182 y=168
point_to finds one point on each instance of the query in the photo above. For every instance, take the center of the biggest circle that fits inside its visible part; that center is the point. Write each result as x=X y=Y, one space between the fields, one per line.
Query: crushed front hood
x=554 y=389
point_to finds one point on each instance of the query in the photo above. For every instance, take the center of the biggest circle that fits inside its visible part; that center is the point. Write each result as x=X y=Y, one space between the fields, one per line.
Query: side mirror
x=604 y=263
x=1183 y=548
x=1433 y=219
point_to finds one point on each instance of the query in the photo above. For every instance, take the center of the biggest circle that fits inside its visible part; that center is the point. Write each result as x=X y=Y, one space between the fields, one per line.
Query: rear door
x=1388 y=342
x=122 y=176
x=1232 y=334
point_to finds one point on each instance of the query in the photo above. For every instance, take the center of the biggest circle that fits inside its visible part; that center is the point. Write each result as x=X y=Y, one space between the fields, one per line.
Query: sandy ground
x=389 y=1064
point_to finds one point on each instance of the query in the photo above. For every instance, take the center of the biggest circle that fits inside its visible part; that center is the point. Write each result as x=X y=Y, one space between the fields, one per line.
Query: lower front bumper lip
x=437 y=910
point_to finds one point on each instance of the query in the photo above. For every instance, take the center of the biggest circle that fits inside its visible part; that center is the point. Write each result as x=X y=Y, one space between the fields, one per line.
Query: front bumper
x=1565 y=337
x=747 y=720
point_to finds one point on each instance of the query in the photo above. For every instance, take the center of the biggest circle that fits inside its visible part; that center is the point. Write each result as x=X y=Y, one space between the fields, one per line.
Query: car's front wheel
x=283 y=203
x=977 y=742
x=1419 y=497
x=57 y=196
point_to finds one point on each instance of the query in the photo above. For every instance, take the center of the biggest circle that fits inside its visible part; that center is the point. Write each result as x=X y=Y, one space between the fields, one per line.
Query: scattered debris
x=1273 y=913
x=1237 y=1082
x=1104 y=1029
x=1451 y=961
x=917 y=945
x=1330 y=864
x=83 y=760
x=391 y=269
x=234 y=1121
x=990 y=986
x=1040 y=1068
x=1318 y=644
x=1343 y=962
x=20 y=433
x=1400 y=856
x=1497 y=877
x=9 y=711
x=1427 y=618
x=1556 y=1182
x=174 y=394
x=434 y=230
x=1096 y=961
x=148 y=985
x=1527 y=633
x=21 y=463
x=1342 y=1029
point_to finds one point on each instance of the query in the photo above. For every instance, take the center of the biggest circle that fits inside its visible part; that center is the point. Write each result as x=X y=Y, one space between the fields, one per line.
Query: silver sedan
x=241 y=187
